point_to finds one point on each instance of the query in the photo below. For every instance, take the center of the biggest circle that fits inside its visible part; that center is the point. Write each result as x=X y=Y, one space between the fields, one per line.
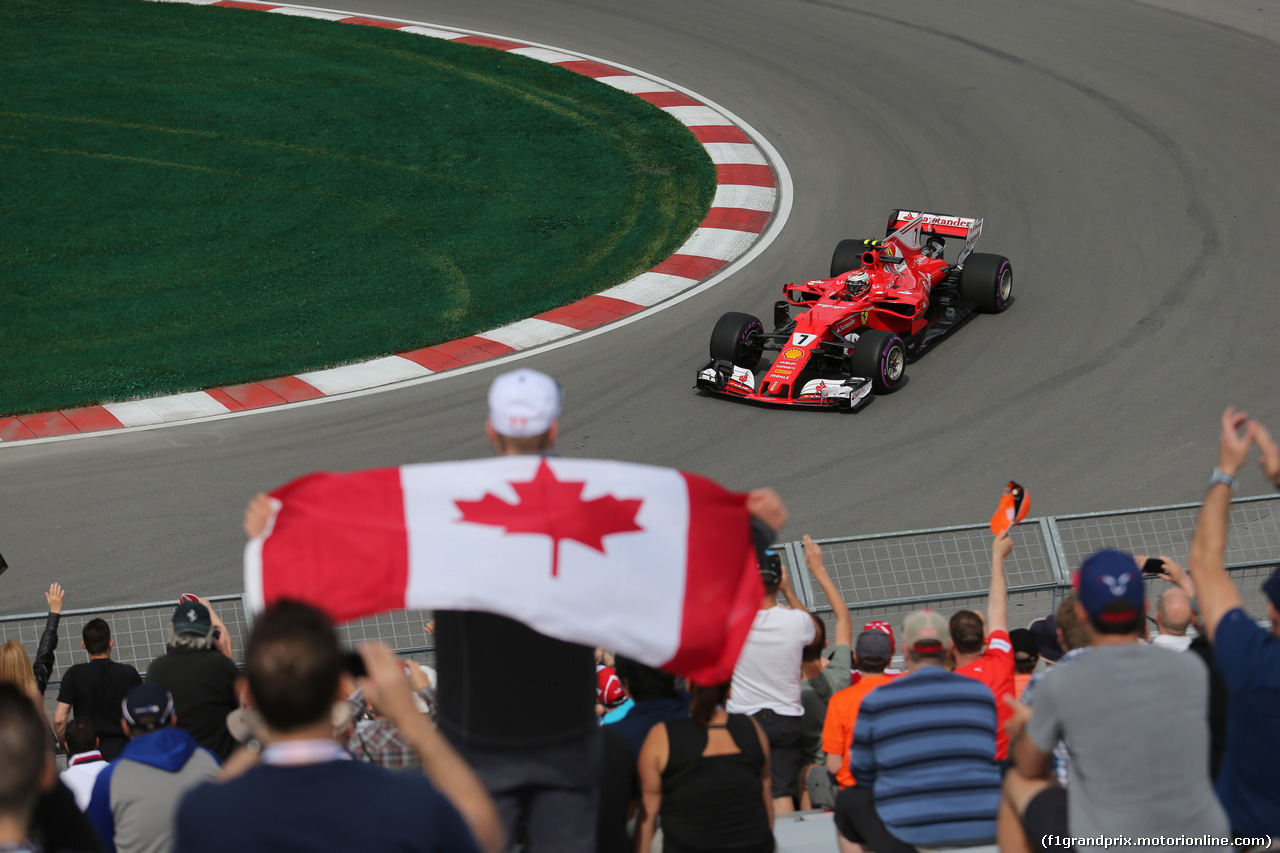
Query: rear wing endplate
x=907 y=225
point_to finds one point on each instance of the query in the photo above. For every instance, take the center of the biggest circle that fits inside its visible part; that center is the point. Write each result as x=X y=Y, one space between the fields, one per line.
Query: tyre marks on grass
x=747 y=197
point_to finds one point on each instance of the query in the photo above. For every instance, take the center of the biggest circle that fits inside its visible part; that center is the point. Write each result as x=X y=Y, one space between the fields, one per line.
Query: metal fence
x=885 y=576
x=140 y=631
x=880 y=576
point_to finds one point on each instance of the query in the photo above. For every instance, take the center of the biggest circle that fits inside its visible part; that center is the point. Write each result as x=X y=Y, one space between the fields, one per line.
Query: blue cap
x=1045 y=631
x=1108 y=577
x=147 y=706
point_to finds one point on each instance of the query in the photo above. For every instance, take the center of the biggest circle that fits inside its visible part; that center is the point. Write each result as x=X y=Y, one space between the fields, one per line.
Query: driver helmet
x=857 y=282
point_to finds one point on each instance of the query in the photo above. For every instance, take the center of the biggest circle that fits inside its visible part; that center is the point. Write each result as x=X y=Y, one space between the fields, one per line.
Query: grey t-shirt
x=815 y=693
x=1136 y=721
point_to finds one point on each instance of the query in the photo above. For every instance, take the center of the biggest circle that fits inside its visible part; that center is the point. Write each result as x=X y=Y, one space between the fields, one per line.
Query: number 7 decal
x=801 y=339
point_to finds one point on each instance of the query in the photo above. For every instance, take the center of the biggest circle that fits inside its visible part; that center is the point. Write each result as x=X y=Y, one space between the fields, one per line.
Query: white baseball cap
x=523 y=403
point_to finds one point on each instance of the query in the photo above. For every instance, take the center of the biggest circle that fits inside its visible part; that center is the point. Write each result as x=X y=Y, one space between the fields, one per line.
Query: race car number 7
x=801 y=339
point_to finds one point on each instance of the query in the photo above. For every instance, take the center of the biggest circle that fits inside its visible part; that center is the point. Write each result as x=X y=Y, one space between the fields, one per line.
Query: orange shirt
x=842 y=715
x=1020 y=682
x=995 y=669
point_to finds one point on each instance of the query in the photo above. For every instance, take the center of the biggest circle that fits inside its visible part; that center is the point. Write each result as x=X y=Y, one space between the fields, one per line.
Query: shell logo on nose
x=793 y=353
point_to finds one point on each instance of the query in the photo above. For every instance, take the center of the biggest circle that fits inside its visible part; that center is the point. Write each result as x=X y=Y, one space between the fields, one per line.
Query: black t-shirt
x=1217 y=704
x=618 y=787
x=94 y=690
x=714 y=802
x=505 y=686
x=203 y=685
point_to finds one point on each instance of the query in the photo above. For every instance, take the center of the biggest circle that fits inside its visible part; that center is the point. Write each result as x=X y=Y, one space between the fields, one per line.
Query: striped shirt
x=926 y=744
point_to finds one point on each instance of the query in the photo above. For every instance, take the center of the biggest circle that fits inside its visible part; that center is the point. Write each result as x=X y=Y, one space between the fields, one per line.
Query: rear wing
x=909 y=225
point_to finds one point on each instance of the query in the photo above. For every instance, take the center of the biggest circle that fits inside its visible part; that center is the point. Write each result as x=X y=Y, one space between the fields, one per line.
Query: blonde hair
x=15 y=666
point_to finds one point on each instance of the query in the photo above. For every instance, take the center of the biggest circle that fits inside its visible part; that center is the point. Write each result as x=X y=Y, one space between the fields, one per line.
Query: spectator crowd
x=1113 y=721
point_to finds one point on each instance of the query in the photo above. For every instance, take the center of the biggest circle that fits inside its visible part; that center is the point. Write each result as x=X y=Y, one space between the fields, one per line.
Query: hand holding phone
x=1153 y=567
x=353 y=665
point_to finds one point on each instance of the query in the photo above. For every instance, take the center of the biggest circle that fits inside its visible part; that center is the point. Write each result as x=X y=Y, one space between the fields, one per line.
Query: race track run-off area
x=749 y=202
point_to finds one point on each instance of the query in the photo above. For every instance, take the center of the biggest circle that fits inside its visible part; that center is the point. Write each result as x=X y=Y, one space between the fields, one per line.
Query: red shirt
x=995 y=669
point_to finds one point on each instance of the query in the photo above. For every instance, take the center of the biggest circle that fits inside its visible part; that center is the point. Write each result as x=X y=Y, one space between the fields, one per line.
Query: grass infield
x=201 y=196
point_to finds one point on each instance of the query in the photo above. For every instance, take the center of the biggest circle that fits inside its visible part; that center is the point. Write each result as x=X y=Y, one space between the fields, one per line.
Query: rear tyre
x=738 y=338
x=847 y=256
x=882 y=356
x=987 y=281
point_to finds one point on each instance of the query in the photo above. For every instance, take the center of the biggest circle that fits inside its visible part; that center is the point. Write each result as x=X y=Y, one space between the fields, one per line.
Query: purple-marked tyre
x=738 y=338
x=882 y=357
x=987 y=281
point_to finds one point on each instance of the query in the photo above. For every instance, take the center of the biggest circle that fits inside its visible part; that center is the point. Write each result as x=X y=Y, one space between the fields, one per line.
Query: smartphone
x=1153 y=566
x=354 y=664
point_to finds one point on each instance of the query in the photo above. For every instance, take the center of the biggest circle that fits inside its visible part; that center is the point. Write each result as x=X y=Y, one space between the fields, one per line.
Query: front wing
x=729 y=380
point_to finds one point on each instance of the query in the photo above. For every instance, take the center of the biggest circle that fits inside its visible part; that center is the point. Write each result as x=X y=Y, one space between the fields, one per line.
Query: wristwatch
x=1219 y=476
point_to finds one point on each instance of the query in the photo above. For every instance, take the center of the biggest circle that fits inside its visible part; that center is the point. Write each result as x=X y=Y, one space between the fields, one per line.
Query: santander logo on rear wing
x=910 y=223
x=938 y=223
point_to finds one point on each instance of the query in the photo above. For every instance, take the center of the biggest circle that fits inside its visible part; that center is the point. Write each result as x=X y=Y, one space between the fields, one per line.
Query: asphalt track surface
x=1122 y=154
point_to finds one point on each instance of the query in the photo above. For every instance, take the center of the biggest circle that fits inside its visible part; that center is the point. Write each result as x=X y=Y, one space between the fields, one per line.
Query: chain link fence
x=880 y=576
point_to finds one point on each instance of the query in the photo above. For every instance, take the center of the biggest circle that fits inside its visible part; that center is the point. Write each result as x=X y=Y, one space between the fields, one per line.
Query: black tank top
x=714 y=802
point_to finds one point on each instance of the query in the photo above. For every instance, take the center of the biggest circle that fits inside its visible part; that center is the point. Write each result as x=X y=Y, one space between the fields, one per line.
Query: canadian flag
x=654 y=563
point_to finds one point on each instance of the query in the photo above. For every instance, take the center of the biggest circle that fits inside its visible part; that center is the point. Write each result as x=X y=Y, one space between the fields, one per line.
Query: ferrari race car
x=885 y=302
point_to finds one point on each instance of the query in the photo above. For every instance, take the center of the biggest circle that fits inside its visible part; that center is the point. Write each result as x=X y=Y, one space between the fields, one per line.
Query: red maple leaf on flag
x=555 y=508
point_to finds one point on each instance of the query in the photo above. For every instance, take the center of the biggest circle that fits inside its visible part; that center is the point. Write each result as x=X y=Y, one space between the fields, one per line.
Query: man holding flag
x=530 y=561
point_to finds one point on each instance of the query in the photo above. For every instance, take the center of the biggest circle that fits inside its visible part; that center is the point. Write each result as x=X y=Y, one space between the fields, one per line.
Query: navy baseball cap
x=1109 y=586
x=873 y=648
x=1045 y=631
x=147 y=706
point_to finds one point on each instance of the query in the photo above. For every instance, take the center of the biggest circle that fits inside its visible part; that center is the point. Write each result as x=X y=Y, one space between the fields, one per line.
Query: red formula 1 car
x=886 y=301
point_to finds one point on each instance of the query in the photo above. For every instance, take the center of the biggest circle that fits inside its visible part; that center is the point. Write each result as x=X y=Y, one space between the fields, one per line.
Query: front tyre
x=987 y=281
x=738 y=338
x=881 y=356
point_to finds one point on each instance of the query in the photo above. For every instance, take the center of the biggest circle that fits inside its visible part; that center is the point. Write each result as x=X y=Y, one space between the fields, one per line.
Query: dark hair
x=644 y=682
x=293 y=664
x=80 y=736
x=966 y=632
x=703 y=701
x=96 y=636
x=24 y=744
x=1026 y=653
x=813 y=651
x=1132 y=625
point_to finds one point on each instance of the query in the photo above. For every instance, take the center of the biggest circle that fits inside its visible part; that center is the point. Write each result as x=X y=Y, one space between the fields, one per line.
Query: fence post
x=1057 y=555
x=800 y=581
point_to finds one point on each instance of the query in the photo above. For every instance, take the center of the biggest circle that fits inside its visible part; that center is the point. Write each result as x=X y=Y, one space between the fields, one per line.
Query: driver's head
x=857 y=282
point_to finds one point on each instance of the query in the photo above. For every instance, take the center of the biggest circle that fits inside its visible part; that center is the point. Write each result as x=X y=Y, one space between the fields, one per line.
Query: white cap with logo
x=523 y=403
